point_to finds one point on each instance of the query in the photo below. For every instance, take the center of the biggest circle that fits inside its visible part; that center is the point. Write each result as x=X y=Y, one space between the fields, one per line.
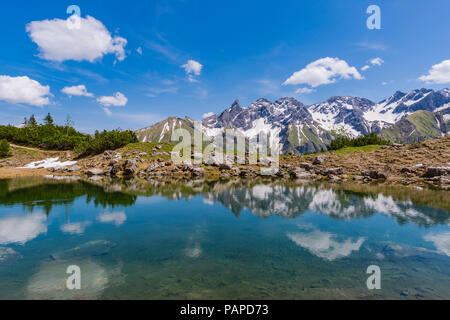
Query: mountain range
x=402 y=118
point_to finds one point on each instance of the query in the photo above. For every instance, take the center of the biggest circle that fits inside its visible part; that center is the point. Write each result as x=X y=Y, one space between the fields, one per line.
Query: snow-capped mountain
x=304 y=129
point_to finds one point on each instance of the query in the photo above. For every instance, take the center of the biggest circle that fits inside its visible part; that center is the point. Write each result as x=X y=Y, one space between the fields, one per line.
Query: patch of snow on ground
x=49 y=163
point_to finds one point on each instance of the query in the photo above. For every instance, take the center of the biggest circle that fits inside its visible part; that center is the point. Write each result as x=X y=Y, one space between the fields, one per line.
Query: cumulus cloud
x=366 y=67
x=59 y=43
x=20 y=230
x=192 y=68
x=323 y=71
x=116 y=218
x=79 y=91
x=323 y=244
x=23 y=90
x=441 y=241
x=207 y=115
x=438 y=74
x=118 y=100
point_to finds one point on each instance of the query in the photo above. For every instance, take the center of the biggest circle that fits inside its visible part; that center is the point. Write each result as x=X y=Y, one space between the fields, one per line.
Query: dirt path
x=22 y=147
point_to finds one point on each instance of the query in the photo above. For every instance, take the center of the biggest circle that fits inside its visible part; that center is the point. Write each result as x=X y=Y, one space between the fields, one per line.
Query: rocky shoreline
x=420 y=165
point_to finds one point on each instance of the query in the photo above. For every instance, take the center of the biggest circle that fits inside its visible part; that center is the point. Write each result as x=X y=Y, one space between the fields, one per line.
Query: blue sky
x=243 y=49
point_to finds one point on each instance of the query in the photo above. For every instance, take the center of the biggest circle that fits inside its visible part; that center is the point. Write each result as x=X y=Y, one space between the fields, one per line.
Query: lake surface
x=221 y=240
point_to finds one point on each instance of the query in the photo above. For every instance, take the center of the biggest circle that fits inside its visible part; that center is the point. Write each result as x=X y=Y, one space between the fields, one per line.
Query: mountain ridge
x=309 y=128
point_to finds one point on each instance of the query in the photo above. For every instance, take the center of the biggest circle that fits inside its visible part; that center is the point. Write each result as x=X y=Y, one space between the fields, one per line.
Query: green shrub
x=53 y=137
x=369 y=139
x=106 y=140
x=5 y=150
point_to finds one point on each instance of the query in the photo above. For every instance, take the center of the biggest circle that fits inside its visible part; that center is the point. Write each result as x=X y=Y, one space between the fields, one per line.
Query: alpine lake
x=235 y=239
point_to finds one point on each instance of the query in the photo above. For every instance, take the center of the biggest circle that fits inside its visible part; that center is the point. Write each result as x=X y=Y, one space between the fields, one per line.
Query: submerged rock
x=405 y=251
x=88 y=249
x=50 y=282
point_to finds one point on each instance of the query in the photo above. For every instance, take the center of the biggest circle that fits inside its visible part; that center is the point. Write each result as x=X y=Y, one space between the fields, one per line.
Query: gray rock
x=224 y=167
x=303 y=175
x=373 y=174
x=333 y=178
x=152 y=167
x=436 y=172
x=198 y=172
x=74 y=169
x=320 y=159
x=335 y=171
x=95 y=172
x=307 y=166
x=236 y=171
x=130 y=166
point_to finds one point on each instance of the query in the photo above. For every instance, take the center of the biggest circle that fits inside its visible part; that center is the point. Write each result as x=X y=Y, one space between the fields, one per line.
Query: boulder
x=373 y=174
x=303 y=175
x=198 y=172
x=74 y=169
x=319 y=159
x=334 y=171
x=307 y=166
x=95 y=172
x=224 y=167
x=130 y=166
x=152 y=167
x=436 y=172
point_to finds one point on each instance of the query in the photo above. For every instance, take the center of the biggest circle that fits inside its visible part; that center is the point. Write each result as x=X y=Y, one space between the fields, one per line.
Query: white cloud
x=107 y=111
x=323 y=71
x=374 y=62
x=441 y=241
x=118 y=100
x=377 y=61
x=79 y=91
x=323 y=245
x=75 y=228
x=193 y=67
x=207 y=115
x=438 y=74
x=22 y=229
x=303 y=90
x=23 y=90
x=91 y=42
x=116 y=218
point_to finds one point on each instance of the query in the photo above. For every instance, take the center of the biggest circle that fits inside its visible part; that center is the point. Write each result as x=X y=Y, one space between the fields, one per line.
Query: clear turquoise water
x=220 y=241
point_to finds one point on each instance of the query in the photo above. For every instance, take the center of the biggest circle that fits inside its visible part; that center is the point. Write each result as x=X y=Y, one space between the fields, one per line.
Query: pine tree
x=5 y=150
x=48 y=119
x=32 y=121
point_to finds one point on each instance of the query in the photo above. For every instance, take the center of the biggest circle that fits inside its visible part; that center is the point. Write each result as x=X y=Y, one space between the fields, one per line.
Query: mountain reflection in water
x=237 y=239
